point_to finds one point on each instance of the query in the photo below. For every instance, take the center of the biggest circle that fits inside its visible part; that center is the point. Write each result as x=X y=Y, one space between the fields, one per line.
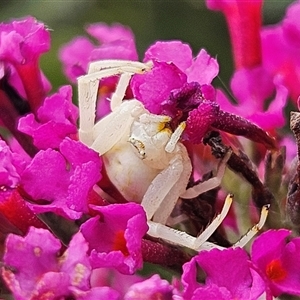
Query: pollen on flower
x=275 y=270
x=80 y=271
x=37 y=251
x=120 y=243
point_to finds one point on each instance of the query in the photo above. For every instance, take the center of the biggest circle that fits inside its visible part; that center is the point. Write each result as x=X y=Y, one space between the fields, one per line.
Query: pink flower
x=244 y=22
x=278 y=260
x=252 y=83
x=173 y=67
x=251 y=98
x=14 y=212
x=280 y=49
x=115 y=236
x=240 y=282
x=11 y=165
x=21 y=44
x=180 y=87
x=54 y=120
x=60 y=181
x=114 y=42
x=36 y=271
x=152 y=288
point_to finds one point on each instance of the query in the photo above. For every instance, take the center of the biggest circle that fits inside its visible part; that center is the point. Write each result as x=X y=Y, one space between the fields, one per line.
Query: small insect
x=144 y=159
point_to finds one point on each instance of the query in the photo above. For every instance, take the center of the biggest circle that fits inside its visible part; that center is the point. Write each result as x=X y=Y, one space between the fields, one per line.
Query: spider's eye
x=139 y=146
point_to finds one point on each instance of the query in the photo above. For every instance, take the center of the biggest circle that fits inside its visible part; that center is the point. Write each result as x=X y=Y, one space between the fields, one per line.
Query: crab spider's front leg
x=88 y=90
x=110 y=129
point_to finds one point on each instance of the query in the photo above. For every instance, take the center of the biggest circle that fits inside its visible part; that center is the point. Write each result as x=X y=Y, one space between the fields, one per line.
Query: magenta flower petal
x=204 y=69
x=291 y=24
x=103 y=293
x=34 y=270
x=114 y=42
x=115 y=239
x=212 y=292
x=278 y=261
x=56 y=120
x=175 y=52
x=119 y=49
x=280 y=49
x=62 y=180
x=238 y=282
x=109 y=33
x=28 y=39
x=75 y=264
x=152 y=288
x=31 y=256
x=251 y=98
x=11 y=166
x=75 y=57
x=155 y=86
x=21 y=44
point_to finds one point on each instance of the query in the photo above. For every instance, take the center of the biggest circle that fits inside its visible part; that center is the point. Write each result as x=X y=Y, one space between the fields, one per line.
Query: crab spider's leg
x=171 y=235
x=97 y=66
x=177 y=237
x=164 y=210
x=110 y=129
x=151 y=118
x=211 y=228
x=155 y=201
x=175 y=137
x=210 y=183
x=88 y=91
x=118 y=96
x=183 y=239
x=255 y=229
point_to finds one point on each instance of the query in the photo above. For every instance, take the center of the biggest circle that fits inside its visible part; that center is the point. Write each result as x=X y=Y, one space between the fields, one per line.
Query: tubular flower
x=240 y=281
x=244 y=24
x=278 y=261
x=60 y=181
x=54 y=120
x=121 y=227
x=21 y=44
x=280 y=49
x=35 y=271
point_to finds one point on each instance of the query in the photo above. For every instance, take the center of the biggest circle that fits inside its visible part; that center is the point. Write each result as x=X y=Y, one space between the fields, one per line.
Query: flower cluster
x=68 y=233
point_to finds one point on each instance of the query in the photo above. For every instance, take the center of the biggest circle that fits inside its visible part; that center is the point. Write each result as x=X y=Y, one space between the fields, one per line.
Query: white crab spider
x=143 y=158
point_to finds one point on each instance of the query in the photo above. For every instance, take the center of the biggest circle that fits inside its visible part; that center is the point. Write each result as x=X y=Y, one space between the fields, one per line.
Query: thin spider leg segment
x=151 y=118
x=255 y=229
x=162 y=185
x=175 y=137
x=119 y=94
x=165 y=209
x=212 y=227
x=97 y=66
x=209 y=184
